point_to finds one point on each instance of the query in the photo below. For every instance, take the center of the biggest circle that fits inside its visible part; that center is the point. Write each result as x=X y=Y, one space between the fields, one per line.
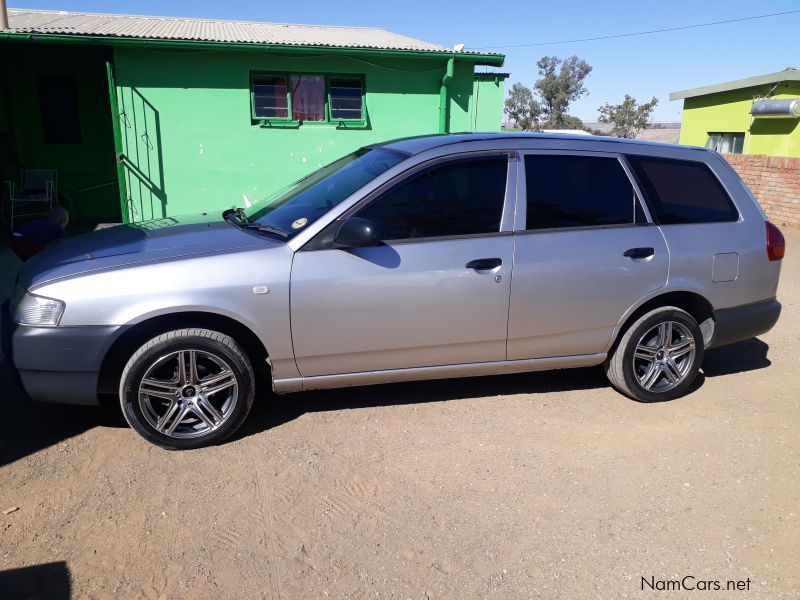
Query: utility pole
x=3 y=15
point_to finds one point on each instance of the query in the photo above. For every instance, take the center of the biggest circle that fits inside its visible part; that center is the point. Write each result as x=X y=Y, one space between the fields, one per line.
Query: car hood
x=121 y=245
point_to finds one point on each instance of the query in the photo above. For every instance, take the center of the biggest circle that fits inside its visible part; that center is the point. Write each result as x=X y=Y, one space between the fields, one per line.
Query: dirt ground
x=543 y=485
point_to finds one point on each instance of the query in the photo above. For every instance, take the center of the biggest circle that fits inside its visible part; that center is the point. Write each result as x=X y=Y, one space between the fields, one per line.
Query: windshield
x=295 y=207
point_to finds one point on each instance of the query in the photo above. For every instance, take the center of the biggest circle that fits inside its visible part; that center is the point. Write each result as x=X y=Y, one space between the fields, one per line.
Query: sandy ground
x=544 y=485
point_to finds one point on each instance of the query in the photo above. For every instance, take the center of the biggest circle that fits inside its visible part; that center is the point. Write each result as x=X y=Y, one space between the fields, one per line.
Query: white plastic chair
x=36 y=191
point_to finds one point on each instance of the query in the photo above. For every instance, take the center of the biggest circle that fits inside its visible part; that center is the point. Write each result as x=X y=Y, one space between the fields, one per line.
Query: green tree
x=629 y=118
x=522 y=107
x=561 y=82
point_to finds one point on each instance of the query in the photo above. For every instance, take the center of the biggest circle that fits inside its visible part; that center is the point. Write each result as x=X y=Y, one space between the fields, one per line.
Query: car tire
x=198 y=404
x=658 y=357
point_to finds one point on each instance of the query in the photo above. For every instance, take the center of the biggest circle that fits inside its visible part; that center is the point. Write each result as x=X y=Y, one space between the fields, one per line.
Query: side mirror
x=356 y=233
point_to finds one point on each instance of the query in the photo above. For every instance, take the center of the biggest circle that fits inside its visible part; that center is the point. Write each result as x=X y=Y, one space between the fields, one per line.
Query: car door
x=585 y=252
x=434 y=292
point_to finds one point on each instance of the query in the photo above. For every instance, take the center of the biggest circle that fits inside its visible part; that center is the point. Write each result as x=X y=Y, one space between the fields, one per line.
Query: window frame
x=520 y=222
x=722 y=135
x=362 y=122
x=290 y=121
x=323 y=240
x=258 y=119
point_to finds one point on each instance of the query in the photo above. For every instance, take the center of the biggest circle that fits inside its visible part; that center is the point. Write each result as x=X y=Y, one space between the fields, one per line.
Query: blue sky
x=643 y=66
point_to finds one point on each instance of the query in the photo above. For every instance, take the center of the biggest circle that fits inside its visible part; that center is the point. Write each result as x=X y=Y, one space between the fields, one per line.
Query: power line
x=624 y=35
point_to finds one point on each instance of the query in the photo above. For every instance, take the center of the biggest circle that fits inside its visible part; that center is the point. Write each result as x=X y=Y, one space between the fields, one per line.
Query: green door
x=137 y=133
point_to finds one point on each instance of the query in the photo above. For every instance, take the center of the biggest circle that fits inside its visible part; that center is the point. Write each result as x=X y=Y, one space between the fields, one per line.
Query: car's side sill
x=319 y=382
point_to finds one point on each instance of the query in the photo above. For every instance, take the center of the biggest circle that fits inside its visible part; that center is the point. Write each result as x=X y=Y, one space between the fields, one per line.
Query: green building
x=146 y=117
x=756 y=115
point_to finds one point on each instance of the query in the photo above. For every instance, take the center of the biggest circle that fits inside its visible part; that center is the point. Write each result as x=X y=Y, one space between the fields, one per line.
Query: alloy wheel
x=188 y=393
x=664 y=356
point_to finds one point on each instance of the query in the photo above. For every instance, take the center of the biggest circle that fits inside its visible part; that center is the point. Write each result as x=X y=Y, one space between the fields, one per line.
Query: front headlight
x=38 y=310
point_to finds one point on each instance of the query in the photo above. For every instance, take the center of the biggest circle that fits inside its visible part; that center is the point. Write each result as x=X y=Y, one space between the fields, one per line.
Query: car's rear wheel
x=658 y=357
x=187 y=388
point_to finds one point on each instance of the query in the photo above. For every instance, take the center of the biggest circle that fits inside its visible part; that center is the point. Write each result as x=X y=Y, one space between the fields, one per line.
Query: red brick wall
x=775 y=182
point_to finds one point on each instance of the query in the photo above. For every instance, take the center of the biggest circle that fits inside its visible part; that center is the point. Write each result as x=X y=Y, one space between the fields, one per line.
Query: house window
x=345 y=98
x=295 y=98
x=726 y=142
x=58 y=105
x=270 y=97
x=308 y=98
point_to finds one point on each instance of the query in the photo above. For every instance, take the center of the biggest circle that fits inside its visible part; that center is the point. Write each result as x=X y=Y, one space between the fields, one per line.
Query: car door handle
x=484 y=264
x=639 y=252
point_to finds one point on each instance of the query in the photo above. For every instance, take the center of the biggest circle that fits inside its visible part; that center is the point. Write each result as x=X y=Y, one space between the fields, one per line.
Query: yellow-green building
x=755 y=115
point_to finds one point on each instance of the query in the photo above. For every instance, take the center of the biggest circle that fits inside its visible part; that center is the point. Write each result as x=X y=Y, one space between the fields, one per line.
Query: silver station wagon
x=421 y=258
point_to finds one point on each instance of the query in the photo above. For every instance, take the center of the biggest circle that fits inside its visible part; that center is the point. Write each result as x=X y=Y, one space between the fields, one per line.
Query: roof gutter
x=479 y=59
x=448 y=76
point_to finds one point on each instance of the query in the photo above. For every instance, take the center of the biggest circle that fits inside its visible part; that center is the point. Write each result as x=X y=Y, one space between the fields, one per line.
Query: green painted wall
x=488 y=94
x=82 y=165
x=191 y=144
x=730 y=112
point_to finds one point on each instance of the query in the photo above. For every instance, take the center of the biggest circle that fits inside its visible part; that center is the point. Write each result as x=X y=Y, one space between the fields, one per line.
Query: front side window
x=578 y=191
x=726 y=142
x=682 y=191
x=294 y=208
x=463 y=197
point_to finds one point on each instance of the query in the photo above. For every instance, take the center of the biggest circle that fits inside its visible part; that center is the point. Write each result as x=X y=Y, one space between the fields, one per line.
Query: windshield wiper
x=237 y=212
x=266 y=228
x=237 y=217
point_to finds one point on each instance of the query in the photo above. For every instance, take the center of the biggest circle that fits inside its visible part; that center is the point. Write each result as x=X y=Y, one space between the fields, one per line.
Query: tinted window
x=683 y=191
x=457 y=198
x=578 y=191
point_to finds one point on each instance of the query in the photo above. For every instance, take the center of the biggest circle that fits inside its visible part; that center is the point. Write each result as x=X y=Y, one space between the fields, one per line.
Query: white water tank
x=786 y=108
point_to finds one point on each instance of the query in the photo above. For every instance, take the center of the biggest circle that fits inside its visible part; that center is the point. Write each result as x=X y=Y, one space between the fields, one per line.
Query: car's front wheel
x=187 y=388
x=658 y=356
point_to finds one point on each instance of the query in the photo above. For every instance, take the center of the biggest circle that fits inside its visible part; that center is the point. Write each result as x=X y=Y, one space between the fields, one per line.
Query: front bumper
x=743 y=322
x=58 y=364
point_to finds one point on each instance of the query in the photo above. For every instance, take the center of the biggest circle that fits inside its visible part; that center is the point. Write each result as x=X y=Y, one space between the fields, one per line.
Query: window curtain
x=308 y=97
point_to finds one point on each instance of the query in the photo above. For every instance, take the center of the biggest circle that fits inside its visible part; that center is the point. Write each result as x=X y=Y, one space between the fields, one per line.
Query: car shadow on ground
x=50 y=581
x=749 y=355
x=270 y=410
x=29 y=426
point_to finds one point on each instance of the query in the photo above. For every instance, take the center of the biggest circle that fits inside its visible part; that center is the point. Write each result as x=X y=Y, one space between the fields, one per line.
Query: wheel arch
x=691 y=301
x=139 y=333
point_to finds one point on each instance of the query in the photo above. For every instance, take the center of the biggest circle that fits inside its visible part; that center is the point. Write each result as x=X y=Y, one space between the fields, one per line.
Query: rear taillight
x=776 y=245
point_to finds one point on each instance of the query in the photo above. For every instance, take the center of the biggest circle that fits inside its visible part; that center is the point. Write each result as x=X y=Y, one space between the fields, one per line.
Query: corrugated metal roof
x=788 y=74
x=177 y=28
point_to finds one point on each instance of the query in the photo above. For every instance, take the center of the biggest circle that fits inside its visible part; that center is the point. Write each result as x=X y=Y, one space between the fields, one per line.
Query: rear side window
x=456 y=198
x=682 y=191
x=578 y=191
